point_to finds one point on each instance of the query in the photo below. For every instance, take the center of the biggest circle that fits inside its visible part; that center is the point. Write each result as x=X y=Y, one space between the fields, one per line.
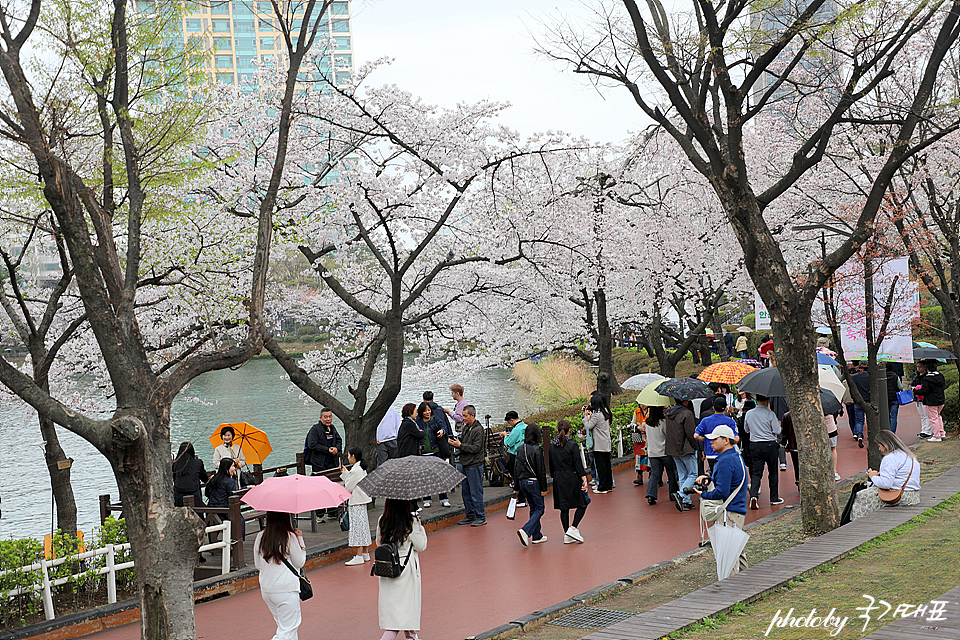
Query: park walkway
x=478 y=578
x=749 y=585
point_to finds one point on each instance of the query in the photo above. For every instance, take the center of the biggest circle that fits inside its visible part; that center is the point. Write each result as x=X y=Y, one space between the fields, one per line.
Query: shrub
x=22 y=609
x=633 y=362
x=307 y=330
x=750 y=320
x=950 y=374
x=951 y=408
x=930 y=322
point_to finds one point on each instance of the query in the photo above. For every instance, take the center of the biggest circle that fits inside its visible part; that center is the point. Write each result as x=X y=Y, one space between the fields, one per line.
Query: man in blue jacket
x=729 y=479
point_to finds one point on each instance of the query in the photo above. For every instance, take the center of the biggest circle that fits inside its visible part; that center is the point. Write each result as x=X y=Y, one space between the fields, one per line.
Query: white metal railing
x=110 y=569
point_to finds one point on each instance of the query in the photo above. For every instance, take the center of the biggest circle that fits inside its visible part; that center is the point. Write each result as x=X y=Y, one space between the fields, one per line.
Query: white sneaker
x=445 y=503
x=354 y=561
x=575 y=534
x=934 y=439
x=836 y=476
x=366 y=557
x=568 y=540
x=426 y=504
x=540 y=539
x=524 y=538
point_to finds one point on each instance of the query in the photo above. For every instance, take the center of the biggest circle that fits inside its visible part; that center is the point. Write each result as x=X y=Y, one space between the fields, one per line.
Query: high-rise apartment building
x=241 y=32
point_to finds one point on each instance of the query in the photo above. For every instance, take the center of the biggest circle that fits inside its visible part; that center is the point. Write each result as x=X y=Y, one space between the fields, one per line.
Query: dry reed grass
x=555 y=380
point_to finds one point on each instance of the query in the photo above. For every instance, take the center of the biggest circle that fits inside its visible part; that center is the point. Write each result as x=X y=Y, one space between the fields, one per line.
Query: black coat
x=219 y=496
x=409 y=437
x=316 y=448
x=567 y=469
x=529 y=464
x=189 y=481
x=932 y=386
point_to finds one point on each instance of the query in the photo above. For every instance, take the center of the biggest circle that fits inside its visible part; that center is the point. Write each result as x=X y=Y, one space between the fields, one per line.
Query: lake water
x=258 y=393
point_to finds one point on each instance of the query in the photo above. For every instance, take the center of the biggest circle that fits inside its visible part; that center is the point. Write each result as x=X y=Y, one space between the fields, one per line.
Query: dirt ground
x=766 y=540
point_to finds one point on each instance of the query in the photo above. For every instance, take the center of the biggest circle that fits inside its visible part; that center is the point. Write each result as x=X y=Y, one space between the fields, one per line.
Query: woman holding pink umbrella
x=278 y=553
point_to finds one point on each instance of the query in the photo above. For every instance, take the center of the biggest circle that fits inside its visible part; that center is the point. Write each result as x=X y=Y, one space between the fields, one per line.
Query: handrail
x=46 y=585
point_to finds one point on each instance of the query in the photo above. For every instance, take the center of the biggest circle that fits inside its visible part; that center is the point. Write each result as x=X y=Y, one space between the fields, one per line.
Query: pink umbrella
x=295 y=494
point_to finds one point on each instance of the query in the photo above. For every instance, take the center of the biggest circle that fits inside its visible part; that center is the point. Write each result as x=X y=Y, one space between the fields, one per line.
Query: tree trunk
x=606 y=379
x=795 y=346
x=63 y=497
x=164 y=539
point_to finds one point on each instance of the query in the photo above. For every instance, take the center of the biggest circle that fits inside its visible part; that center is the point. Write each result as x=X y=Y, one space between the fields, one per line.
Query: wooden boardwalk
x=774 y=573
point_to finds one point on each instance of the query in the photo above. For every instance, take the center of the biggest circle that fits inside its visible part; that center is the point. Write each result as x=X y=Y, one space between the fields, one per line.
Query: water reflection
x=258 y=393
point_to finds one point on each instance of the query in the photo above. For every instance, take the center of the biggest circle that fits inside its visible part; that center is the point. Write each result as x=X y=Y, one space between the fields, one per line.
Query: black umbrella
x=410 y=478
x=684 y=388
x=767 y=382
x=829 y=402
x=928 y=353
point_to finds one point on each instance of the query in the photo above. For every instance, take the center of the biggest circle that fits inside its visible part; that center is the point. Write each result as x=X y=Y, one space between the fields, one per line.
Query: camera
x=702 y=485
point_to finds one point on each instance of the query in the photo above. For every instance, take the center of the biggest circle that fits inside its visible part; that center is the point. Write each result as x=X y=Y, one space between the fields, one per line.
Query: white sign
x=894 y=273
x=761 y=315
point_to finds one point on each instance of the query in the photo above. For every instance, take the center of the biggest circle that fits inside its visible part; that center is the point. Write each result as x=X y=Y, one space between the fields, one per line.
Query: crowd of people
x=718 y=448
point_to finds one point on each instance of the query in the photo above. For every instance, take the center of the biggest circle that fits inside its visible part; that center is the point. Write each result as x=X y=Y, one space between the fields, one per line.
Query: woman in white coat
x=279 y=585
x=399 y=603
x=359 y=536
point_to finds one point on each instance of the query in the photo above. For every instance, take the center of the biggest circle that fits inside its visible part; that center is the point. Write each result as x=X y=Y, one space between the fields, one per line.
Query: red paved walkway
x=475 y=579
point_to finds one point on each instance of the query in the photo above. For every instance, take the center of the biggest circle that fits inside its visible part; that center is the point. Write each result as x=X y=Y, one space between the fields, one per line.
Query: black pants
x=604 y=471
x=765 y=453
x=577 y=517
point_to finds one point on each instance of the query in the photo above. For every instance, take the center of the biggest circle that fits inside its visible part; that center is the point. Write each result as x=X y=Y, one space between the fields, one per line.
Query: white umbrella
x=830 y=381
x=641 y=380
x=727 y=543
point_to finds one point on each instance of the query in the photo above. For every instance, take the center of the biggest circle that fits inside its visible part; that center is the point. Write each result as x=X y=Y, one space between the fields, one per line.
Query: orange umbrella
x=252 y=441
x=725 y=372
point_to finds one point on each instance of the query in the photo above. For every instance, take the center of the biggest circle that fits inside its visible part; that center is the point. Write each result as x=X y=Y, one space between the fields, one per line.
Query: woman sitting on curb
x=898 y=469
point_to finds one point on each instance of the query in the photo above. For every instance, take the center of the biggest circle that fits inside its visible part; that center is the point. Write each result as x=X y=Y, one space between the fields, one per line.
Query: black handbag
x=306 y=589
x=345 y=520
x=386 y=561
x=247 y=479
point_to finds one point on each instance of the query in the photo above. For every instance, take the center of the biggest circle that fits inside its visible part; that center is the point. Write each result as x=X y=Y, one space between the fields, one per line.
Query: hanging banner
x=889 y=273
x=761 y=315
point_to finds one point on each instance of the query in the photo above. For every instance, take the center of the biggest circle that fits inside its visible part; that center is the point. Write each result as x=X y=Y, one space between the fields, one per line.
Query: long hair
x=273 y=542
x=223 y=470
x=396 y=523
x=891 y=442
x=599 y=402
x=532 y=435
x=184 y=456
x=357 y=454
x=563 y=431
x=654 y=416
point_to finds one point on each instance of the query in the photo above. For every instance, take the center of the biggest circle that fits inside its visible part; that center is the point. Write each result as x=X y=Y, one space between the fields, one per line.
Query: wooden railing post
x=236 y=527
x=258 y=472
x=301 y=464
x=545 y=432
x=104 y=508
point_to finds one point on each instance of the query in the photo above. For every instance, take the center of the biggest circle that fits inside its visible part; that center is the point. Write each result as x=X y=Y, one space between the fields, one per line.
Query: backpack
x=386 y=561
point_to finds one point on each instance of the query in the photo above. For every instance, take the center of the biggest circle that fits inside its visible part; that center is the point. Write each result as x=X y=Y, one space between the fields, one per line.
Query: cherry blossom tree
x=709 y=76
x=171 y=286
x=403 y=240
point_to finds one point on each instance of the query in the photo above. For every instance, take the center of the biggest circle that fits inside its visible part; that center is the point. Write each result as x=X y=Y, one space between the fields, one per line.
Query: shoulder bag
x=306 y=589
x=386 y=561
x=892 y=496
x=713 y=510
x=905 y=397
x=345 y=520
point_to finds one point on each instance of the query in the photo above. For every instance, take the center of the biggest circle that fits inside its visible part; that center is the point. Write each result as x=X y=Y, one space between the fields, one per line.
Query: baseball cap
x=721 y=431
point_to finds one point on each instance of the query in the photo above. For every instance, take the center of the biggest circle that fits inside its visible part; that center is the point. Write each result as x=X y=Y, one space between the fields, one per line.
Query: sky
x=450 y=51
